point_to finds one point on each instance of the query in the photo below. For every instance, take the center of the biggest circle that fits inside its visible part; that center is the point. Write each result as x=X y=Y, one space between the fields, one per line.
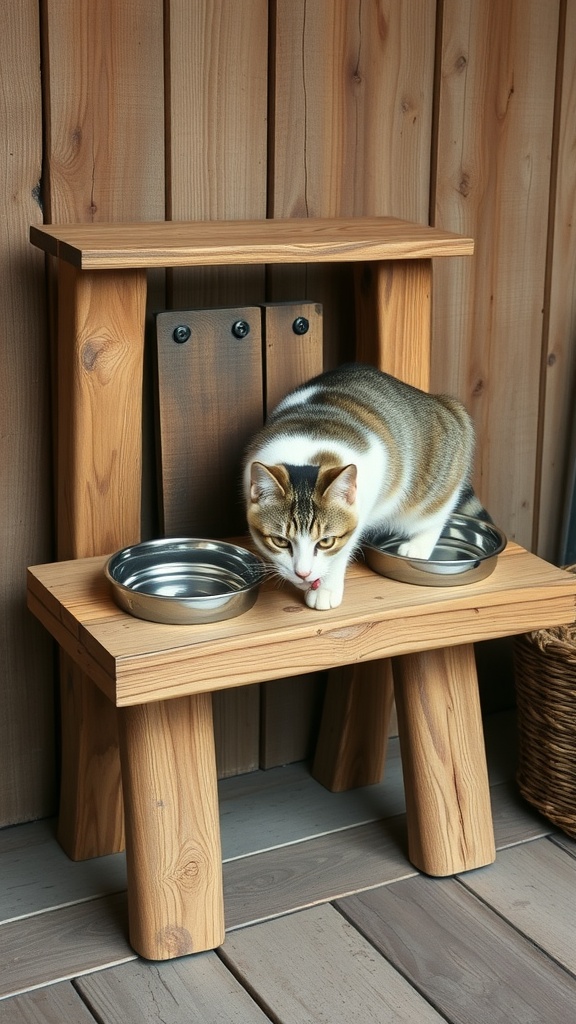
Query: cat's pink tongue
x=314 y=585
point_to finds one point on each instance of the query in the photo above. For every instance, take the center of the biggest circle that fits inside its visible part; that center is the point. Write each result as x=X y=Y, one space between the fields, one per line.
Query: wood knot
x=173 y=941
x=478 y=388
x=90 y=353
x=464 y=186
x=460 y=63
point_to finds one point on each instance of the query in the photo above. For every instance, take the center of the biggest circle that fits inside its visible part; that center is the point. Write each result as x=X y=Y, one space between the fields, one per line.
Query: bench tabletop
x=134 y=661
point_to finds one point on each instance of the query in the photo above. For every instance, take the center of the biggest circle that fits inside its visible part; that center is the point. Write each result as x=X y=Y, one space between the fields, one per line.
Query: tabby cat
x=352 y=451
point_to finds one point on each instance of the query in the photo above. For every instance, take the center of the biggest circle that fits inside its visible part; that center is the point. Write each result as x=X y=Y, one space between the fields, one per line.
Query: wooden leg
x=444 y=761
x=99 y=362
x=91 y=820
x=353 y=737
x=173 y=850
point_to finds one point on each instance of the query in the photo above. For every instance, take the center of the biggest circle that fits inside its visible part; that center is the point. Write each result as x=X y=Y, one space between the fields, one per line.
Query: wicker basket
x=545 y=669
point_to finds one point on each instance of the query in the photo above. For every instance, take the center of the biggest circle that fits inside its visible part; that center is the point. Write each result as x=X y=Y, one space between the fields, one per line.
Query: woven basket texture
x=545 y=673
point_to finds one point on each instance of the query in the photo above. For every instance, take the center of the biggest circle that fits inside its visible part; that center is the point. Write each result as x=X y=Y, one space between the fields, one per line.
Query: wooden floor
x=328 y=921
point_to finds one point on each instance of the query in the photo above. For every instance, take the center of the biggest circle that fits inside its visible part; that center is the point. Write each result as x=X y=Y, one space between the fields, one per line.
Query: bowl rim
x=256 y=561
x=486 y=526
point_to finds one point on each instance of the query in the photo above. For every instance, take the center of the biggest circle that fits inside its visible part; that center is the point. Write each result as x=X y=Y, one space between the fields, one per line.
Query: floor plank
x=293 y=877
x=54 y=1005
x=258 y=812
x=514 y=820
x=534 y=887
x=38 y=876
x=286 y=805
x=63 y=944
x=193 y=990
x=471 y=964
x=314 y=966
x=566 y=842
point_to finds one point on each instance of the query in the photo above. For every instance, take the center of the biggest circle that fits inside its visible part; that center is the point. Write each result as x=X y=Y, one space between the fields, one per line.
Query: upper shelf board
x=211 y=243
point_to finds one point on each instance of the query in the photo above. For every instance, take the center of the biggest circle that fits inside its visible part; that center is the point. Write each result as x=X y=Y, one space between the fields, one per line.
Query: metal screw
x=181 y=333
x=241 y=328
x=300 y=325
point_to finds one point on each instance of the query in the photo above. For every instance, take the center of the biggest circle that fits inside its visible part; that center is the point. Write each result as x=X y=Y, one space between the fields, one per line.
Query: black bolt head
x=181 y=333
x=241 y=328
x=300 y=325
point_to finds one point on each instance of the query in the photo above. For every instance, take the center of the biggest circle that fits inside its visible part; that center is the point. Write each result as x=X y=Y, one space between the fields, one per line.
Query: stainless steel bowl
x=466 y=552
x=184 y=580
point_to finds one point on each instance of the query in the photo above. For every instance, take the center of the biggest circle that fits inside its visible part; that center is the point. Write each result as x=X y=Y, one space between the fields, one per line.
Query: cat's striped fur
x=352 y=451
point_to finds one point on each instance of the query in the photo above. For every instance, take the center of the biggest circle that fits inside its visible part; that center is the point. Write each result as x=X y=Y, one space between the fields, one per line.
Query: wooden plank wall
x=456 y=112
x=26 y=674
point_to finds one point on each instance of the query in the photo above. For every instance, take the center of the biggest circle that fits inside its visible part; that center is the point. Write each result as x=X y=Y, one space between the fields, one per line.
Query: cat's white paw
x=418 y=547
x=324 y=598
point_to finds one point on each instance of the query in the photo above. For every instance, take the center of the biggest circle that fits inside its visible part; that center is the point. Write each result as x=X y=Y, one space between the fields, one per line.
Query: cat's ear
x=267 y=481
x=339 y=484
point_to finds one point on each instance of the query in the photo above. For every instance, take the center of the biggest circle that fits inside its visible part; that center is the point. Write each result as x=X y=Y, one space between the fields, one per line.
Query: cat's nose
x=303 y=575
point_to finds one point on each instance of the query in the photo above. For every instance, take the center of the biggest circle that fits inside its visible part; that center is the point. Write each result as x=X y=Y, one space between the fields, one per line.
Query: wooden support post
x=353 y=737
x=393 y=301
x=394 y=308
x=99 y=424
x=174 y=859
x=91 y=820
x=443 y=761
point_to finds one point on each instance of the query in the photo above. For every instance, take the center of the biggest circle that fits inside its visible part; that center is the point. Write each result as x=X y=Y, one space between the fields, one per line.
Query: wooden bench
x=144 y=690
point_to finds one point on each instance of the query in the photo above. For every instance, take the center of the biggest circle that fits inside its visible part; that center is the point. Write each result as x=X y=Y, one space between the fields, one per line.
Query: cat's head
x=302 y=517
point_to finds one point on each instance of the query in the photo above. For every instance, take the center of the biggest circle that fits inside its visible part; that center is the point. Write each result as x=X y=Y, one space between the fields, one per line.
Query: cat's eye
x=326 y=543
x=280 y=542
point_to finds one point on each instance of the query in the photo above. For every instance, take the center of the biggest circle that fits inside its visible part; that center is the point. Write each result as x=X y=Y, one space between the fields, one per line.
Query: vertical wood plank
x=175 y=899
x=559 y=365
x=26 y=692
x=105 y=110
x=495 y=101
x=351 y=109
x=217 y=73
x=210 y=404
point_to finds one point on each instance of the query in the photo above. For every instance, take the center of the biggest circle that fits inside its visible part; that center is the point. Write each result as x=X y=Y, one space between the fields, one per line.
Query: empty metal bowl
x=184 y=580
x=466 y=552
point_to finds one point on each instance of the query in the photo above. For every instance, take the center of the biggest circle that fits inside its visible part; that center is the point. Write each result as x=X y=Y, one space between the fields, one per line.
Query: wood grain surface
x=27 y=736
x=285 y=959
x=558 y=371
x=492 y=180
x=173 y=852
x=198 y=990
x=141 y=661
x=488 y=971
x=170 y=244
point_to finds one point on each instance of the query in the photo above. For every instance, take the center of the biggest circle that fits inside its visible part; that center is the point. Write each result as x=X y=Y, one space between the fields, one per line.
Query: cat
x=350 y=452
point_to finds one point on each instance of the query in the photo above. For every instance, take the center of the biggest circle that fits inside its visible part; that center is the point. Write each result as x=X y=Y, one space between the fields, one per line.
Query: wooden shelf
x=208 y=243
x=134 y=661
